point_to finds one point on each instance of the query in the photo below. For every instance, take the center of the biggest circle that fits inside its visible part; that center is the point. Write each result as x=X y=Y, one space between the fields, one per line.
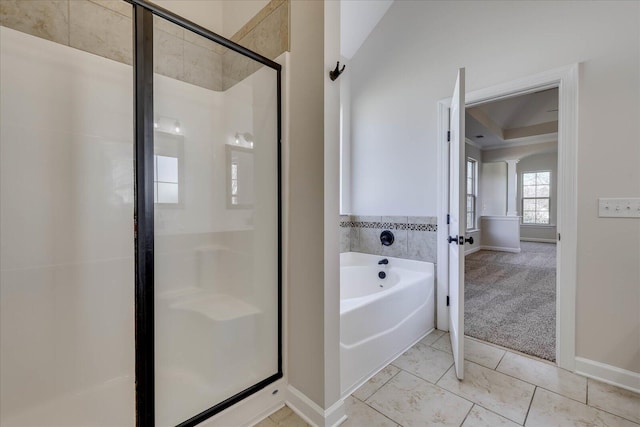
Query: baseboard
x=618 y=377
x=535 y=239
x=312 y=413
x=473 y=250
x=501 y=249
x=253 y=409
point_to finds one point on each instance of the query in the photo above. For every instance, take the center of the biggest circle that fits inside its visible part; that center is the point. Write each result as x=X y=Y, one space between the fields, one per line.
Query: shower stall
x=140 y=213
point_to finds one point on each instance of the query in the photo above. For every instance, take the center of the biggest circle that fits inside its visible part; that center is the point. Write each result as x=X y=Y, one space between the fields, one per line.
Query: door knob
x=469 y=240
x=452 y=239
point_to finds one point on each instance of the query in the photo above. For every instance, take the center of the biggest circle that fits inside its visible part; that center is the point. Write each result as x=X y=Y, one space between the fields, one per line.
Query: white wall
x=67 y=270
x=305 y=225
x=409 y=62
x=358 y=18
x=332 y=92
x=345 y=140
x=493 y=187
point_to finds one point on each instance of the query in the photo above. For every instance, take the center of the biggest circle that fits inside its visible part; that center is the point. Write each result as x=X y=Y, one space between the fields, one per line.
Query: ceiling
x=357 y=19
x=520 y=120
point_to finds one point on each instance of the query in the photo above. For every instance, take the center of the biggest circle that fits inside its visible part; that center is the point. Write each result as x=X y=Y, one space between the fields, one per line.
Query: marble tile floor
x=501 y=388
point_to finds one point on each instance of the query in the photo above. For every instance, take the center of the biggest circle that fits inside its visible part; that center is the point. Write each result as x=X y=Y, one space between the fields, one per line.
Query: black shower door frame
x=143 y=13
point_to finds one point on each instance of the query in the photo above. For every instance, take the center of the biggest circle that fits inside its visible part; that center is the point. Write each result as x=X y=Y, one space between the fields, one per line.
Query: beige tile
x=293 y=420
x=482 y=354
x=545 y=375
x=202 y=67
x=360 y=414
x=615 y=400
x=281 y=414
x=354 y=238
x=168 y=55
x=550 y=409
x=369 y=241
x=425 y=362
x=198 y=40
x=443 y=344
x=118 y=6
x=411 y=401
x=367 y=218
x=497 y=392
x=236 y=68
x=480 y=417
x=394 y=219
x=377 y=381
x=100 y=31
x=421 y=245
x=45 y=19
x=418 y=220
x=168 y=27
x=399 y=247
x=266 y=423
x=257 y=18
x=432 y=337
x=269 y=37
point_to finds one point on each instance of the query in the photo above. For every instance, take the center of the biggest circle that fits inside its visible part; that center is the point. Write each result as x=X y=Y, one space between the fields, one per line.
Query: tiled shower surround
x=104 y=28
x=415 y=236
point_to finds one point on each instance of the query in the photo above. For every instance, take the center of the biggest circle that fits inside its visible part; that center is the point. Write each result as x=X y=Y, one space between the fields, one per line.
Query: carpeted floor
x=510 y=299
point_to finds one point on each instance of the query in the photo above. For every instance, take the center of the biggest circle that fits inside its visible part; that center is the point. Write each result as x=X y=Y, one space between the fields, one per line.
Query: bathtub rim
x=349 y=259
x=397 y=264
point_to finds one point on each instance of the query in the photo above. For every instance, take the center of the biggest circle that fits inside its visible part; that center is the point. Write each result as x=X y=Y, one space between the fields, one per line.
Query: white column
x=512 y=190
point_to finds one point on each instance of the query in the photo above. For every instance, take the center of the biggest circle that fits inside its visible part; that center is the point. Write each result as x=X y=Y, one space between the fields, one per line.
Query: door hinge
x=448 y=136
x=447 y=300
x=448 y=218
x=558 y=237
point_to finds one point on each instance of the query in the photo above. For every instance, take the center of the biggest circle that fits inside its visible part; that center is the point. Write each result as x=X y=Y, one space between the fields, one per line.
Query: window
x=536 y=188
x=168 y=170
x=165 y=180
x=472 y=176
x=234 y=183
x=240 y=177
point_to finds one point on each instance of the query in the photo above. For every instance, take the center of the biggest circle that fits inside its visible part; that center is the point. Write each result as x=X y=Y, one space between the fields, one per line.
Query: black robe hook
x=336 y=73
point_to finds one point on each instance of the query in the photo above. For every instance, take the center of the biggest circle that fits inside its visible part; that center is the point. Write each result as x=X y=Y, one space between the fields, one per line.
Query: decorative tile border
x=389 y=225
x=415 y=236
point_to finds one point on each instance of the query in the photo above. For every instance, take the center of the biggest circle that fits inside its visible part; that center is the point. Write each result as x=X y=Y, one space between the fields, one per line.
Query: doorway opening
x=511 y=211
x=565 y=81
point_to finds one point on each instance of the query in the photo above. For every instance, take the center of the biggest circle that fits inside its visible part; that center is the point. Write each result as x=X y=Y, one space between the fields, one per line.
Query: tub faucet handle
x=383 y=261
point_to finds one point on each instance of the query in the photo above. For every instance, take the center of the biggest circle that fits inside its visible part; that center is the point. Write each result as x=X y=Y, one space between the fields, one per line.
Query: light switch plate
x=619 y=207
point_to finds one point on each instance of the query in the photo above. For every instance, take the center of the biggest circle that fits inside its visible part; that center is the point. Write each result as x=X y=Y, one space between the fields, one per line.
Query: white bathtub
x=380 y=318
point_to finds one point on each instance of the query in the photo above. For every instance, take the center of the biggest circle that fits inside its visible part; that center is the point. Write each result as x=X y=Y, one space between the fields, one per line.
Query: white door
x=457 y=223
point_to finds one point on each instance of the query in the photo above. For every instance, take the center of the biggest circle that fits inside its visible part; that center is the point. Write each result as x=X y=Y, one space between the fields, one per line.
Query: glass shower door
x=216 y=223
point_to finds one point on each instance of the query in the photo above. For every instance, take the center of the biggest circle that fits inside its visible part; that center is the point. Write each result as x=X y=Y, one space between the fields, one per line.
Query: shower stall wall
x=139 y=225
x=66 y=221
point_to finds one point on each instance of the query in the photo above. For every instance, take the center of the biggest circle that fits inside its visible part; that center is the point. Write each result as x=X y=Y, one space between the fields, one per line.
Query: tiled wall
x=415 y=237
x=104 y=28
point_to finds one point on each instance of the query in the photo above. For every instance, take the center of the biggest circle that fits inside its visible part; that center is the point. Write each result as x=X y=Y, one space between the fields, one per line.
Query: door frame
x=566 y=80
